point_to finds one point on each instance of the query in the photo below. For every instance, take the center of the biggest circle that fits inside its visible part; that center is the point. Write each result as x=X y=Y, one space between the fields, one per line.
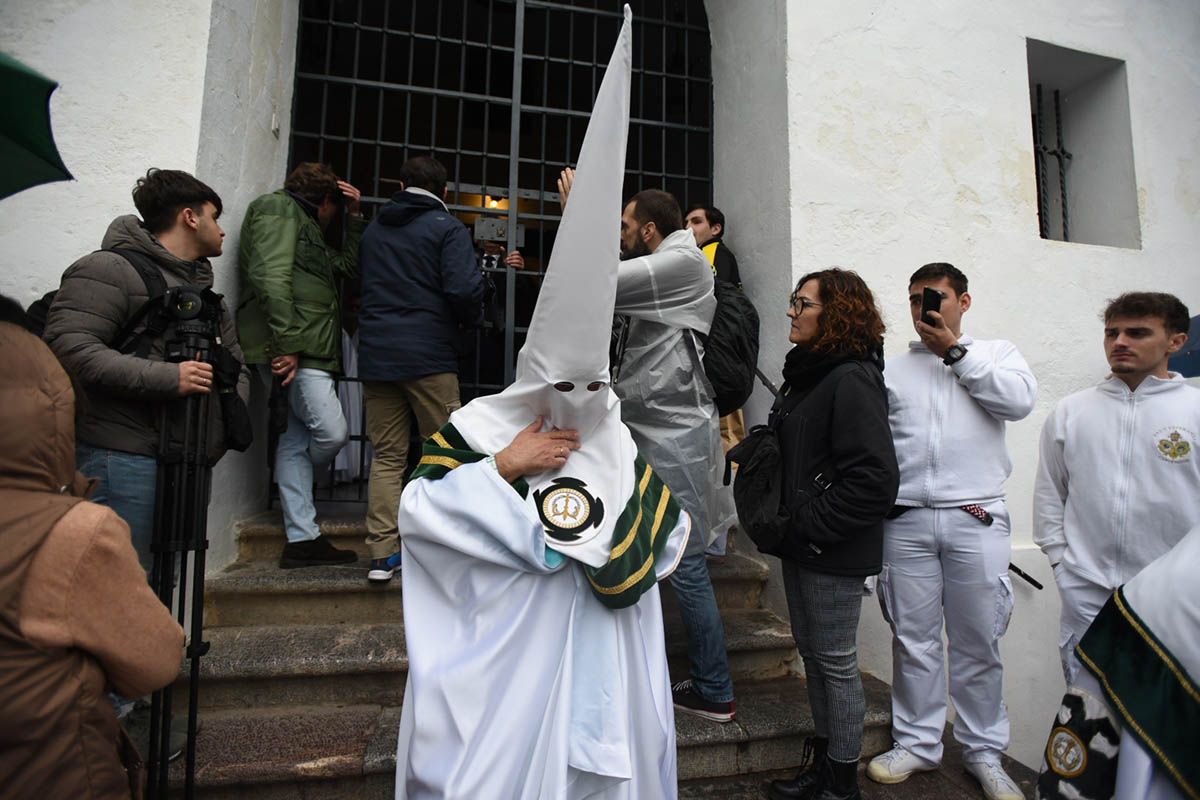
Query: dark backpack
x=758 y=489
x=152 y=278
x=731 y=348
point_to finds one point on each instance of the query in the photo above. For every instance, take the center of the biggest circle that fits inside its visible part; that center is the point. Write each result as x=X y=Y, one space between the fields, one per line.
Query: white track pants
x=1081 y=602
x=941 y=565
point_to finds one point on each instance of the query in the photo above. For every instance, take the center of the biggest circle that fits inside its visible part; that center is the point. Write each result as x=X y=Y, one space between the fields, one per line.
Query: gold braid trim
x=620 y=549
x=636 y=577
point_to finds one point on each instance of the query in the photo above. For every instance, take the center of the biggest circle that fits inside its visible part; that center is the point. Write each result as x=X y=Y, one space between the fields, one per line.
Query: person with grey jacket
x=118 y=434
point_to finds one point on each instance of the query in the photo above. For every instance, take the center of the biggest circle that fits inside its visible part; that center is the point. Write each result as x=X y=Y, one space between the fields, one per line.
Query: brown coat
x=76 y=615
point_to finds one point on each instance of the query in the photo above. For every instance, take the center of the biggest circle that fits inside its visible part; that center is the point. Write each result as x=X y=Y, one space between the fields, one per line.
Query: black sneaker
x=688 y=700
x=314 y=553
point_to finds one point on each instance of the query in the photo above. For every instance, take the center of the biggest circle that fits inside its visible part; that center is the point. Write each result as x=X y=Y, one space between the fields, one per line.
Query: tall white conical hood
x=580 y=286
x=562 y=370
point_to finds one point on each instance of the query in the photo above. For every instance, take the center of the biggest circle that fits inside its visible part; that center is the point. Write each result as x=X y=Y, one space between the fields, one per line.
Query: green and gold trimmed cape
x=641 y=531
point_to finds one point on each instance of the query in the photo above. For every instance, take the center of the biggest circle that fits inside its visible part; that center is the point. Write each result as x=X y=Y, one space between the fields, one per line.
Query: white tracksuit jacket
x=1118 y=480
x=950 y=442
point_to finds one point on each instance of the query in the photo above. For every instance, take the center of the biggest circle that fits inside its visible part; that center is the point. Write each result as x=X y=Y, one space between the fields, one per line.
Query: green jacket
x=288 y=278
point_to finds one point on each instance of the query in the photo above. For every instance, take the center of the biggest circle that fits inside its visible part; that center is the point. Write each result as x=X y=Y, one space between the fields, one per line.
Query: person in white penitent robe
x=1129 y=724
x=533 y=537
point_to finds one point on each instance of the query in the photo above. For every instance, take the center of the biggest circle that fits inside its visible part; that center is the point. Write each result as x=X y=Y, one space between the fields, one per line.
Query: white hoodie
x=1118 y=480
x=948 y=422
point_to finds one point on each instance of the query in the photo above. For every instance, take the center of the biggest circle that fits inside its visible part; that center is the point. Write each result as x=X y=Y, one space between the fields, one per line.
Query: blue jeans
x=705 y=633
x=315 y=433
x=127 y=486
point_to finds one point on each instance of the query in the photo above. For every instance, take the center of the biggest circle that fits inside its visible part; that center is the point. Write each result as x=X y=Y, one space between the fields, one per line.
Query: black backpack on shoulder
x=152 y=278
x=731 y=348
x=758 y=489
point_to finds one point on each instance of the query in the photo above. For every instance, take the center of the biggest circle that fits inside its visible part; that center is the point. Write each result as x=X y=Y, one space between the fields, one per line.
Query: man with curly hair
x=289 y=319
x=1118 y=473
x=946 y=549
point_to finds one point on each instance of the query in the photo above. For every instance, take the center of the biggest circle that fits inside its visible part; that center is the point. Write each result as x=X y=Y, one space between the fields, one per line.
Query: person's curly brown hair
x=850 y=321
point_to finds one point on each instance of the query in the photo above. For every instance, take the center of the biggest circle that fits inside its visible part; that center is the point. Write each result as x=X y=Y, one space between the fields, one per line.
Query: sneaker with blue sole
x=382 y=569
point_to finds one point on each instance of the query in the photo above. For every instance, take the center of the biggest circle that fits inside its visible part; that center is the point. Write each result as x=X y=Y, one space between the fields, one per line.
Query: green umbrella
x=28 y=156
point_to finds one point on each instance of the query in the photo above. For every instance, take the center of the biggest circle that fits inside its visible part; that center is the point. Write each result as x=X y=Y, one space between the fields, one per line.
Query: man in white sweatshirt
x=1118 y=480
x=946 y=549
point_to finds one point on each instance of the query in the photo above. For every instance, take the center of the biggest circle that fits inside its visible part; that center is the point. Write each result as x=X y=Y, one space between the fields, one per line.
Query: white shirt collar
x=427 y=193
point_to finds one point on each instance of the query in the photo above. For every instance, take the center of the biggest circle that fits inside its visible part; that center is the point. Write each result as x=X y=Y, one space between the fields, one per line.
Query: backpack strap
x=156 y=286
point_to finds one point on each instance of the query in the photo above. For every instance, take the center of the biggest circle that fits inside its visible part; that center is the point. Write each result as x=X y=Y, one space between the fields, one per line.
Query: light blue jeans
x=127 y=485
x=705 y=633
x=315 y=433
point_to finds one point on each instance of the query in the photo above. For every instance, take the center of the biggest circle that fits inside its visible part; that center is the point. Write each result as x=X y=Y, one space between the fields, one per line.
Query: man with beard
x=664 y=304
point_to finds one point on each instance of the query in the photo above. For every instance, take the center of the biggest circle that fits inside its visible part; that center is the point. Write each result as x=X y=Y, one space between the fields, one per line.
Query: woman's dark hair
x=163 y=193
x=850 y=321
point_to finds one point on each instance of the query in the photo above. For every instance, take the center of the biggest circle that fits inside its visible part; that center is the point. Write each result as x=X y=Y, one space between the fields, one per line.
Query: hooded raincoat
x=76 y=615
x=666 y=399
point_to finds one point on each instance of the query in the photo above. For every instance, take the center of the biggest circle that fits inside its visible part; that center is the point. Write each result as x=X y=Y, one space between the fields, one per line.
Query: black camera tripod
x=180 y=526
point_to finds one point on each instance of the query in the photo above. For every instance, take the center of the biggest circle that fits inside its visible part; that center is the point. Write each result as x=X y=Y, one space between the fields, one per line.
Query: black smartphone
x=931 y=300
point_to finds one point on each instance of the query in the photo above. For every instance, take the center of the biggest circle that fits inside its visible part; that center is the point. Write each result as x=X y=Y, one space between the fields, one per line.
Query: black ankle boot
x=807 y=782
x=841 y=781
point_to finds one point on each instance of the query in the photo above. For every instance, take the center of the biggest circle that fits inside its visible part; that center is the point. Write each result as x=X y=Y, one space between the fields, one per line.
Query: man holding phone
x=946 y=547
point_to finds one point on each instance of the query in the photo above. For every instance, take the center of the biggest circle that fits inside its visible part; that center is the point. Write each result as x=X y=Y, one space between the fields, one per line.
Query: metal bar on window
x=514 y=154
x=1039 y=153
x=1060 y=153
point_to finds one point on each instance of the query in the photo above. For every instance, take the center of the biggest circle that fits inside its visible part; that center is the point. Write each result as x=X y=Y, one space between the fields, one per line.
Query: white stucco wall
x=131 y=81
x=910 y=142
x=243 y=151
x=180 y=84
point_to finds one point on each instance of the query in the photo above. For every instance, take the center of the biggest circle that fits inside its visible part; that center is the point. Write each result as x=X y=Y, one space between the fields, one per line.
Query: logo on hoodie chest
x=1174 y=444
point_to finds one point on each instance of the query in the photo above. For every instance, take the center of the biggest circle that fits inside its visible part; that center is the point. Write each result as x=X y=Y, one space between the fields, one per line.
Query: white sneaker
x=994 y=780
x=896 y=766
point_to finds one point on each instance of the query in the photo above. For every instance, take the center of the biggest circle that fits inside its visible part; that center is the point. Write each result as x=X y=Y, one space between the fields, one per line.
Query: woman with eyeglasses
x=839 y=482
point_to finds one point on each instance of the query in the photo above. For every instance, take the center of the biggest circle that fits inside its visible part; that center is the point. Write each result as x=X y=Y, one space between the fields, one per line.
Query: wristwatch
x=954 y=354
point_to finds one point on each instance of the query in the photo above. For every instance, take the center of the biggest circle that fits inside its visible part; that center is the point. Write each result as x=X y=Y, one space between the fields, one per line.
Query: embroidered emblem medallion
x=567 y=509
x=1065 y=753
x=1174 y=444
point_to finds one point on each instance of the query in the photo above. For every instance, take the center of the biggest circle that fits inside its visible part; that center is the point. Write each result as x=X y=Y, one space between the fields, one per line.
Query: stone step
x=261 y=537
x=258 y=666
x=260 y=593
x=951 y=782
x=349 y=752
x=737 y=581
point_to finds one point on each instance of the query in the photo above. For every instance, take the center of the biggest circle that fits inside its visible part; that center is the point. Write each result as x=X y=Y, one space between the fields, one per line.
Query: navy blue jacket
x=421 y=285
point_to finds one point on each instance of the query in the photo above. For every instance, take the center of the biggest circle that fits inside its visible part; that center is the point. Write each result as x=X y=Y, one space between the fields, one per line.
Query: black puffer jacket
x=839 y=466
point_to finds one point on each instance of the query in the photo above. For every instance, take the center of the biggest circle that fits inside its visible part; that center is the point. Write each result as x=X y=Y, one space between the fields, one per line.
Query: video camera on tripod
x=188 y=319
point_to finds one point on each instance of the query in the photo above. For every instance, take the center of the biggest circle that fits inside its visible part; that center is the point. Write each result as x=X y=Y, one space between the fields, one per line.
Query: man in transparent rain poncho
x=533 y=537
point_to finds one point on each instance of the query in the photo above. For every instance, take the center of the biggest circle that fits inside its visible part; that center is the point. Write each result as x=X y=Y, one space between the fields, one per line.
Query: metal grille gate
x=499 y=91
